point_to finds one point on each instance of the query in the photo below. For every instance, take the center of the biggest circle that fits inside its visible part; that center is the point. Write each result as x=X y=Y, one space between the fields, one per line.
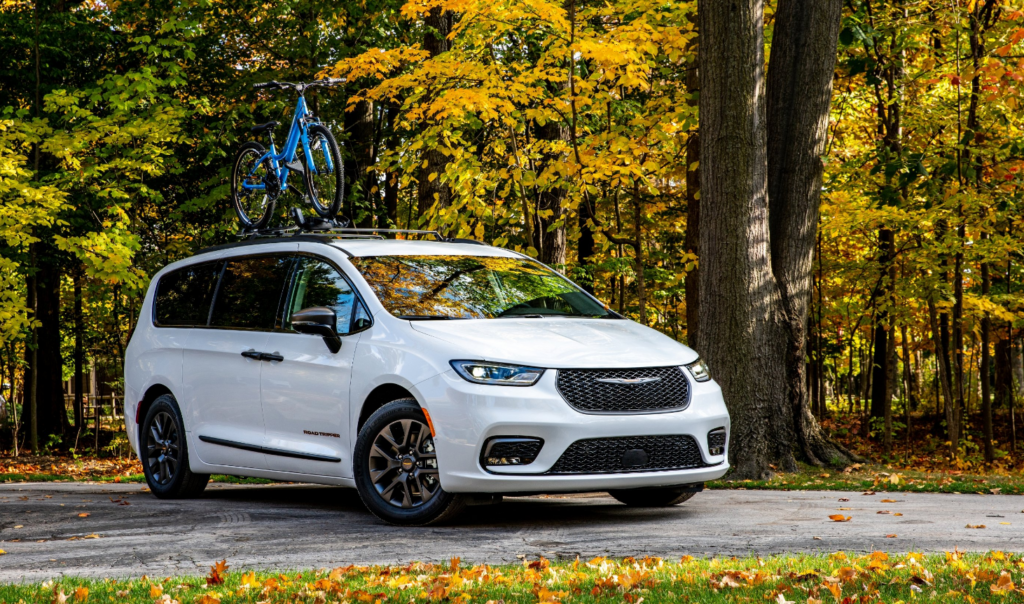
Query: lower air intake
x=630 y=454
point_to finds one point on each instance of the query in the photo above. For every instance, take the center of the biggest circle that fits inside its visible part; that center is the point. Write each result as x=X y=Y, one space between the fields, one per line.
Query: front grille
x=594 y=390
x=716 y=441
x=605 y=455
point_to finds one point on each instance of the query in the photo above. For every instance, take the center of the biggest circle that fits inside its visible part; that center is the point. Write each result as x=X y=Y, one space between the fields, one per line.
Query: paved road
x=301 y=526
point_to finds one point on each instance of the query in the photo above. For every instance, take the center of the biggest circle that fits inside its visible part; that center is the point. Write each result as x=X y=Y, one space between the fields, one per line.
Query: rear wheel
x=254 y=187
x=164 y=452
x=396 y=468
x=654 y=497
x=325 y=172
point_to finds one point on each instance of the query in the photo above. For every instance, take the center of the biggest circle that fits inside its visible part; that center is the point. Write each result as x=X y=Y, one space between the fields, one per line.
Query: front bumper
x=465 y=415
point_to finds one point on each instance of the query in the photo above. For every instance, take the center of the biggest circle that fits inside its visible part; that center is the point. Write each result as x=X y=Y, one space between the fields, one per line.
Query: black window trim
x=286 y=296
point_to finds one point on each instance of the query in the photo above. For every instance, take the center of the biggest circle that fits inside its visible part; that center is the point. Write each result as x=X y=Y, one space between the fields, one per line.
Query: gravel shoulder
x=119 y=530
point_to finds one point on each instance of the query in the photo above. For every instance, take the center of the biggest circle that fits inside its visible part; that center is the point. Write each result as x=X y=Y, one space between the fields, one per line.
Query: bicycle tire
x=319 y=133
x=238 y=174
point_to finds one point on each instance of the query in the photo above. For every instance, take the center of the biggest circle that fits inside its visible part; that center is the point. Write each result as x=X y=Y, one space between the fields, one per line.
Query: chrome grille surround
x=635 y=390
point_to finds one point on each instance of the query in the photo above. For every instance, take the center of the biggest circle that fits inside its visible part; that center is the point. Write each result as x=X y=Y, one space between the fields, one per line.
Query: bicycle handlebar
x=300 y=86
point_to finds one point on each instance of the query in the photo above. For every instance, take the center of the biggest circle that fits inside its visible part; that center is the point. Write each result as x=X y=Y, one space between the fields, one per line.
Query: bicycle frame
x=296 y=134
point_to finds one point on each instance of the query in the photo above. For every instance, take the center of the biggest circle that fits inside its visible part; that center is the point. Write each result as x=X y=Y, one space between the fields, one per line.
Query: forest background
x=568 y=130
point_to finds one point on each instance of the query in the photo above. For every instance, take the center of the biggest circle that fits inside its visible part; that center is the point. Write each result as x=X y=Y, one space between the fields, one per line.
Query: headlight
x=497 y=374
x=698 y=370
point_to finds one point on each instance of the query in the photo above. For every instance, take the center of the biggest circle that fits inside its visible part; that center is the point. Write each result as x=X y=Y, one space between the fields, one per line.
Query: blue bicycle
x=260 y=176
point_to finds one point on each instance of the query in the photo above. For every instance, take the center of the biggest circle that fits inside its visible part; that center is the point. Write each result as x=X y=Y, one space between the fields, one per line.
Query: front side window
x=317 y=283
x=183 y=296
x=473 y=287
x=250 y=290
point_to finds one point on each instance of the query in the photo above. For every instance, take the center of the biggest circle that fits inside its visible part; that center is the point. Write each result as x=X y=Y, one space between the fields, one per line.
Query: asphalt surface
x=125 y=531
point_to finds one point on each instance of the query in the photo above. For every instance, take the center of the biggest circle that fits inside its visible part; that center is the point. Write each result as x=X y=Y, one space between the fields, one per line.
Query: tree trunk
x=742 y=331
x=79 y=353
x=803 y=58
x=986 y=364
x=50 y=407
x=692 y=241
x=431 y=190
x=880 y=365
x=550 y=198
x=359 y=157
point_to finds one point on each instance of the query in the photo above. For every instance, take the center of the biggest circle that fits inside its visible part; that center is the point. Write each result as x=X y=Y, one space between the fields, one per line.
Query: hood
x=560 y=343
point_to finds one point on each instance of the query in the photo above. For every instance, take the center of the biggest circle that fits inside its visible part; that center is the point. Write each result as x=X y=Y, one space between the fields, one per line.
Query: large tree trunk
x=431 y=190
x=52 y=413
x=692 y=241
x=802 y=59
x=742 y=331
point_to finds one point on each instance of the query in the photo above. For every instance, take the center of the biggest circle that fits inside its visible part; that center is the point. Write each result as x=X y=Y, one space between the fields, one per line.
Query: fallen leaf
x=19 y=526
x=888 y=501
x=1003 y=585
x=81 y=594
x=843 y=509
x=994 y=491
x=59 y=598
x=975 y=526
x=84 y=515
x=868 y=493
x=781 y=599
x=816 y=538
x=840 y=518
x=216 y=576
x=1004 y=523
x=891 y=536
x=2 y=552
x=155 y=591
x=883 y=512
x=841 y=499
x=897 y=514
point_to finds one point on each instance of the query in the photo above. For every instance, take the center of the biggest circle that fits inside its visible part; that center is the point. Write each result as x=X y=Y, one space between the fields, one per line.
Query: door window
x=250 y=290
x=183 y=296
x=317 y=283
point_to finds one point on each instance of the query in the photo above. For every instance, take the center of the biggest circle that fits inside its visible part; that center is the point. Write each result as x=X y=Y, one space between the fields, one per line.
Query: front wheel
x=325 y=172
x=654 y=497
x=254 y=187
x=164 y=452
x=396 y=468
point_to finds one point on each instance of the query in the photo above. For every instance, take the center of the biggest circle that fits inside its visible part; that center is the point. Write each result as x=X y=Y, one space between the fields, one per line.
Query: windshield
x=473 y=287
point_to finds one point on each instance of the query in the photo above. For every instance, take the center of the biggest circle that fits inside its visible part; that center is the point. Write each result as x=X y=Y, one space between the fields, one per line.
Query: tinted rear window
x=183 y=296
x=250 y=292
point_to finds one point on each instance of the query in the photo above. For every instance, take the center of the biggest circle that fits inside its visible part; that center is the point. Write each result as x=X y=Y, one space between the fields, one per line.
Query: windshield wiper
x=428 y=317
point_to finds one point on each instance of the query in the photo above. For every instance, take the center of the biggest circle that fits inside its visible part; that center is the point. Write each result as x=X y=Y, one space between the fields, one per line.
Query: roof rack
x=315 y=225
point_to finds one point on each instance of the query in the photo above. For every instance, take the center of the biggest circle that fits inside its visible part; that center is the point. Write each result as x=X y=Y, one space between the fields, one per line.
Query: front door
x=221 y=367
x=306 y=393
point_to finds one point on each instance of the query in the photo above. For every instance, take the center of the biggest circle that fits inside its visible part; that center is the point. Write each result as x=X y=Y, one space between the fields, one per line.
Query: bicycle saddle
x=262 y=127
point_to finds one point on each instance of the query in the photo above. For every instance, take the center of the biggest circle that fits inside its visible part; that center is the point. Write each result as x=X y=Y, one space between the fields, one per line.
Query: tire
x=326 y=187
x=654 y=497
x=254 y=208
x=389 y=475
x=163 y=449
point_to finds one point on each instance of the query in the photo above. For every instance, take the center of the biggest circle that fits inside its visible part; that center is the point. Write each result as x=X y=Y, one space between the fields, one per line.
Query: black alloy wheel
x=396 y=468
x=163 y=450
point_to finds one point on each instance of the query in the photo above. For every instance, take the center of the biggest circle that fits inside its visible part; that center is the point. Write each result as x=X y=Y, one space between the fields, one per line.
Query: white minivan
x=426 y=374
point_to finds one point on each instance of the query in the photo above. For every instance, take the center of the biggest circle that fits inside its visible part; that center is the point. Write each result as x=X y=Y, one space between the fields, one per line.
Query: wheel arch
x=380 y=396
x=152 y=393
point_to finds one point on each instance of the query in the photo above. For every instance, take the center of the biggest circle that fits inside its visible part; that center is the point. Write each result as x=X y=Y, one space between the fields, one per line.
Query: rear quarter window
x=183 y=296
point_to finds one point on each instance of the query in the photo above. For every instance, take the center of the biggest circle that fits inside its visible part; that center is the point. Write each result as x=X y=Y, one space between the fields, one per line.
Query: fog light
x=511 y=451
x=716 y=442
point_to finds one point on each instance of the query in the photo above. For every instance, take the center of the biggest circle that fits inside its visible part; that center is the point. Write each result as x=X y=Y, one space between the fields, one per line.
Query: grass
x=133 y=478
x=883 y=478
x=831 y=578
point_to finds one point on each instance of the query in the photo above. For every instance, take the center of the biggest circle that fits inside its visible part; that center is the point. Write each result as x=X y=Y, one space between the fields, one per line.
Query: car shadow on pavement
x=592 y=509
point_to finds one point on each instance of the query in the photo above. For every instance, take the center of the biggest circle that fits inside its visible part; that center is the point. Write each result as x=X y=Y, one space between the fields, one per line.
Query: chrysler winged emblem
x=629 y=381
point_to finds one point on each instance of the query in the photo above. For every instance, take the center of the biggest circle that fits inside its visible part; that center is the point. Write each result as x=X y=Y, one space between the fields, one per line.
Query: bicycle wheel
x=325 y=172
x=254 y=206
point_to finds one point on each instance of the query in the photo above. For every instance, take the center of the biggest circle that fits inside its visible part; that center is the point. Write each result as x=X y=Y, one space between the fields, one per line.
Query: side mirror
x=321 y=321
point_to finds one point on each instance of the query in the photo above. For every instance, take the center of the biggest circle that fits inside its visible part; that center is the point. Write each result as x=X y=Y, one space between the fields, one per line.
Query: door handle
x=270 y=356
x=252 y=354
